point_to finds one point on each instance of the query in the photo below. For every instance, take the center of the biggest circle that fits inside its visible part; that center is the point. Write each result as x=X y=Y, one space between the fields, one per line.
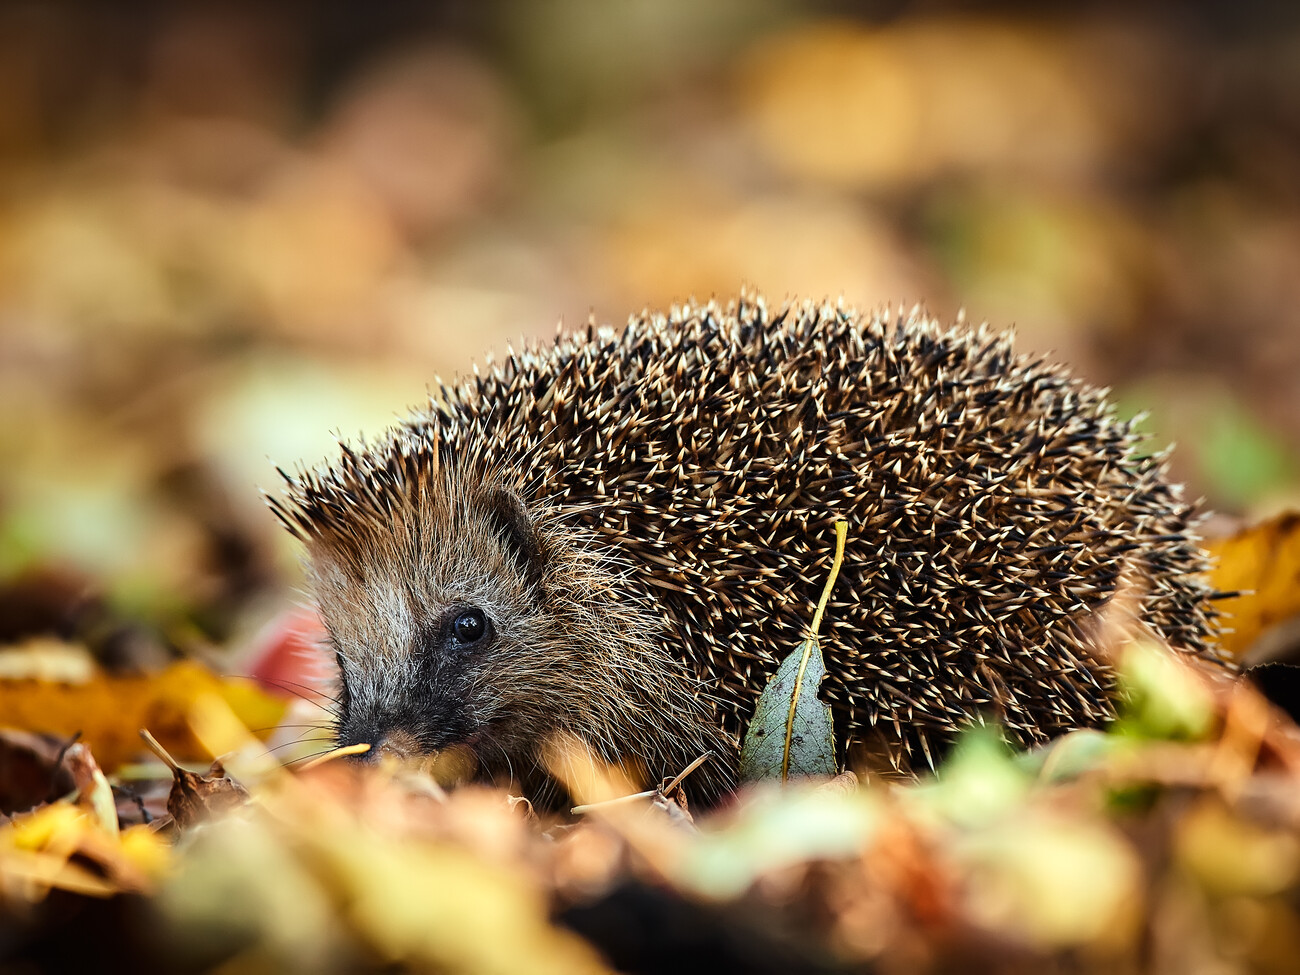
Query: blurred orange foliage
x=109 y=711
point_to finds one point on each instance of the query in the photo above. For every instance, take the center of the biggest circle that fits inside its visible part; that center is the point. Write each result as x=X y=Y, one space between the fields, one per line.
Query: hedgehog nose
x=385 y=747
x=399 y=750
x=399 y=745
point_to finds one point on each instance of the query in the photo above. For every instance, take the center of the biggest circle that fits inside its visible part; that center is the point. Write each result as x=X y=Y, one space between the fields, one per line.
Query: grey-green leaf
x=789 y=706
x=791 y=732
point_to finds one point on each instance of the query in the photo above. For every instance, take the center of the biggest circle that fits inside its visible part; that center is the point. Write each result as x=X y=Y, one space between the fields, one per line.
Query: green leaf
x=791 y=731
x=979 y=783
x=1162 y=698
x=1070 y=756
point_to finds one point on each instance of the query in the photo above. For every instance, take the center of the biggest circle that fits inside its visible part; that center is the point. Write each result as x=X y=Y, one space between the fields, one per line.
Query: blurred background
x=230 y=231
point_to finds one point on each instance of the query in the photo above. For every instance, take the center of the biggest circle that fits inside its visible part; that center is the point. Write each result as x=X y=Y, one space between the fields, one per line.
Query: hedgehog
x=615 y=538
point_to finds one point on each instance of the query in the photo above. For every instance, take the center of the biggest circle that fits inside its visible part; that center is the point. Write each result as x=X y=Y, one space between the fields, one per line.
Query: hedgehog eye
x=469 y=626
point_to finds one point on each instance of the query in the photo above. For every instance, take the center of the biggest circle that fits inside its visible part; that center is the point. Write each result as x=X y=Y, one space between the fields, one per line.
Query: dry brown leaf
x=31 y=771
x=194 y=797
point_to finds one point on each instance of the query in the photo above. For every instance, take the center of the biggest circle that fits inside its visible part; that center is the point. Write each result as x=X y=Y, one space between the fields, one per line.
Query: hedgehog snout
x=405 y=728
x=409 y=706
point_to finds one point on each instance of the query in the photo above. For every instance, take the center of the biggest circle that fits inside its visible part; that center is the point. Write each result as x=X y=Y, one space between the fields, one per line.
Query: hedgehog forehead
x=389 y=608
x=446 y=551
x=460 y=553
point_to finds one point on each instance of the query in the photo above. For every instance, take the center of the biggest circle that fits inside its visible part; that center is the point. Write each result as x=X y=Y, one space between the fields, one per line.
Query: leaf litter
x=1168 y=842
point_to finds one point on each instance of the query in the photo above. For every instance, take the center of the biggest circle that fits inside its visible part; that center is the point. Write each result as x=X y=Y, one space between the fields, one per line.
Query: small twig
x=360 y=748
x=617 y=800
x=668 y=789
x=163 y=755
x=650 y=793
x=134 y=796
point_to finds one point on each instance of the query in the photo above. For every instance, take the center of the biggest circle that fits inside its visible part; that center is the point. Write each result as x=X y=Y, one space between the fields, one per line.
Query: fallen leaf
x=287 y=661
x=1164 y=698
x=1054 y=879
x=1227 y=855
x=63 y=845
x=47 y=659
x=31 y=771
x=94 y=794
x=109 y=710
x=194 y=797
x=791 y=731
x=1262 y=562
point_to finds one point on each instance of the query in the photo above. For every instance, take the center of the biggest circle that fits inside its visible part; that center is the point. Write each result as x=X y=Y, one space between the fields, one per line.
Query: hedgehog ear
x=510 y=520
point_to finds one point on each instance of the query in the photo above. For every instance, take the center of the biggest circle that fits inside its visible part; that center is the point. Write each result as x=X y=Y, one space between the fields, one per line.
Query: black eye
x=469 y=626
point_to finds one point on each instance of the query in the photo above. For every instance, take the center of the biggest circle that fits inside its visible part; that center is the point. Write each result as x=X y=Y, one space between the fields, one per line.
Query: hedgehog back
x=994 y=503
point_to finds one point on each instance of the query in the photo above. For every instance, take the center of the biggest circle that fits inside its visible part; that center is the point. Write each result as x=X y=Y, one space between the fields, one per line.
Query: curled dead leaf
x=195 y=798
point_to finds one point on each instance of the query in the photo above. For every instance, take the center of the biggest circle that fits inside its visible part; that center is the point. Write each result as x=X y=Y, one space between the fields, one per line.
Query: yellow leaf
x=147 y=851
x=1264 y=561
x=57 y=845
x=109 y=711
x=1230 y=855
x=49 y=826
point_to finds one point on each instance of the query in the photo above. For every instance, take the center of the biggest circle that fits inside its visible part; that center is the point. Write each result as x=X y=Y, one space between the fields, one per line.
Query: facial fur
x=562 y=652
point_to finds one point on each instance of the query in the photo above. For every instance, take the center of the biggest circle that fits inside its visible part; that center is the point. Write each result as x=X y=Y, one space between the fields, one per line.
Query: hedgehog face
x=439 y=626
x=469 y=622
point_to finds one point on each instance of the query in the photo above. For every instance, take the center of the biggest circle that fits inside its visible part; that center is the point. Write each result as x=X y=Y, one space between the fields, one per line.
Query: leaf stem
x=841 y=532
x=163 y=755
